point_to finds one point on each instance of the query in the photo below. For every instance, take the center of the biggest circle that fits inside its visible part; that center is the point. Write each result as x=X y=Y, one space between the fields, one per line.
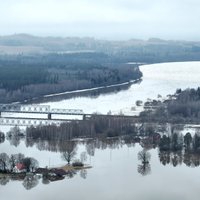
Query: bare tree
x=144 y=156
x=4 y=162
x=2 y=137
x=144 y=168
x=30 y=164
x=70 y=152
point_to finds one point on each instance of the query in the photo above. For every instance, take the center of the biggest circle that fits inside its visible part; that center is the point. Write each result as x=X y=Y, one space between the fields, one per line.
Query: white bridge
x=27 y=122
x=43 y=109
x=30 y=116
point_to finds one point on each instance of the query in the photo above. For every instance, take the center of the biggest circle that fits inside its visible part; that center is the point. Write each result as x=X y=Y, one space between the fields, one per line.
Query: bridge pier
x=49 y=115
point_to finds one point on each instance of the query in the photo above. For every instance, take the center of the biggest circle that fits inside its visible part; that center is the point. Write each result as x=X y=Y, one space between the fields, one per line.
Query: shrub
x=77 y=164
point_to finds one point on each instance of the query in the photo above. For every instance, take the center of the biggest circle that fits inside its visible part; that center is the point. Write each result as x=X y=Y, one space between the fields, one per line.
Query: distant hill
x=134 y=50
x=46 y=44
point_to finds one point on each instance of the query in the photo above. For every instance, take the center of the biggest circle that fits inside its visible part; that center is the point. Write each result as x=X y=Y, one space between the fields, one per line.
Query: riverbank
x=95 y=92
x=44 y=75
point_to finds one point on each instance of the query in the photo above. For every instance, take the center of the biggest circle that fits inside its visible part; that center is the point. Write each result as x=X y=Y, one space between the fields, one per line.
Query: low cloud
x=121 y=19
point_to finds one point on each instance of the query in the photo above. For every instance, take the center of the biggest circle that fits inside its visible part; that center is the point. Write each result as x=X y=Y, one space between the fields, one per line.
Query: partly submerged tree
x=144 y=156
x=30 y=164
x=4 y=162
x=70 y=152
x=2 y=137
x=187 y=140
x=144 y=168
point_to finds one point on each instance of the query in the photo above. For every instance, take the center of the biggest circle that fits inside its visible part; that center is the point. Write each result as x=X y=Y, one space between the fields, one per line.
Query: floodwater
x=161 y=79
x=116 y=172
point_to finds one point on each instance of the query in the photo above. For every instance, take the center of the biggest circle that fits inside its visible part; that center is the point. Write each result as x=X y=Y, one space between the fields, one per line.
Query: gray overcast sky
x=106 y=19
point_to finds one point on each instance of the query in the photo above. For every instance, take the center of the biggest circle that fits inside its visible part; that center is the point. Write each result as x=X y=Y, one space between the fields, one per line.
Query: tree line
x=182 y=107
x=96 y=126
x=24 y=77
x=8 y=163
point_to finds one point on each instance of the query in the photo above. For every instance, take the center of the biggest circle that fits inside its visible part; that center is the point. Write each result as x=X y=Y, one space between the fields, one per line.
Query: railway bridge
x=10 y=114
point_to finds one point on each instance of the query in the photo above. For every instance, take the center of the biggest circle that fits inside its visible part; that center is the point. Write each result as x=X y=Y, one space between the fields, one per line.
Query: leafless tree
x=4 y=161
x=144 y=156
x=70 y=152
x=2 y=137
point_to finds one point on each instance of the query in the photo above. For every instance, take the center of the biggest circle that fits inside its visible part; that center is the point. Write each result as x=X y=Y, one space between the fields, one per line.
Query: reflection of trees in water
x=30 y=181
x=14 y=140
x=83 y=173
x=191 y=159
x=173 y=158
x=45 y=180
x=173 y=148
x=2 y=137
x=14 y=136
x=4 y=180
x=164 y=157
x=144 y=169
x=176 y=149
x=90 y=144
x=144 y=157
x=71 y=174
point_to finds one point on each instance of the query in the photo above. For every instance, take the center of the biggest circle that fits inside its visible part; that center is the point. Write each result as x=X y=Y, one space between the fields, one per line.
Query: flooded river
x=116 y=171
x=160 y=79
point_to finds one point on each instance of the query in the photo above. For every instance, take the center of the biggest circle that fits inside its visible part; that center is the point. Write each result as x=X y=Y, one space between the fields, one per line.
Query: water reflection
x=2 y=137
x=172 y=148
x=91 y=93
x=14 y=136
x=4 y=180
x=144 y=167
x=29 y=181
